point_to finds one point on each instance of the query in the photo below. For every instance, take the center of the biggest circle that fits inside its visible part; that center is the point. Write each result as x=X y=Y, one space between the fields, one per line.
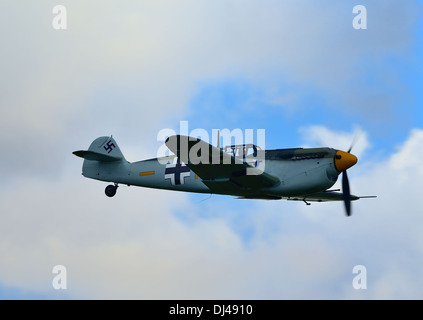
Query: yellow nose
x=344 y=160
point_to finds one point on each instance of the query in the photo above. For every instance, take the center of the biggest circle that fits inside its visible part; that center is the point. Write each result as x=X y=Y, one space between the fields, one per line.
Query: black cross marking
x=177 y=170
x=109 y=146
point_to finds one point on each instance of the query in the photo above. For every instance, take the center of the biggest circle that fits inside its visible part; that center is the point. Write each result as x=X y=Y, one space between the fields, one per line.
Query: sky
x=298 y=70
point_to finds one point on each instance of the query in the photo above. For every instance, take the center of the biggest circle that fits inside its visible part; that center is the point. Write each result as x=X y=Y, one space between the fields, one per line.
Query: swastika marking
x=109 y=146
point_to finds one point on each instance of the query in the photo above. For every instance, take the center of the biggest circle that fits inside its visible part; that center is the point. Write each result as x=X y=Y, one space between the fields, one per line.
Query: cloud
x=135 y=66
x=316 y=136
x=407 y=157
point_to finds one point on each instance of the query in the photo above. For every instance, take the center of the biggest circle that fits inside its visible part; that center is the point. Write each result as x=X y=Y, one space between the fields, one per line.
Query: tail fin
x=103 y=149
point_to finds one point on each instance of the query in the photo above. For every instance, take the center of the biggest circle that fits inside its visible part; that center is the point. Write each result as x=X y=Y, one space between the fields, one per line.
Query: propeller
x=343 y=161
x=346 y=194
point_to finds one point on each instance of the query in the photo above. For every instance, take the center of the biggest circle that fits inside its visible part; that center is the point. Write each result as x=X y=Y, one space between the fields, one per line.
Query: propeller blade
x=355 y=139
x=346 y=192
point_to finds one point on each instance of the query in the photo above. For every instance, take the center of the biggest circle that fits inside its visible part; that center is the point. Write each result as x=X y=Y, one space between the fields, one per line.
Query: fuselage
x=301 y=171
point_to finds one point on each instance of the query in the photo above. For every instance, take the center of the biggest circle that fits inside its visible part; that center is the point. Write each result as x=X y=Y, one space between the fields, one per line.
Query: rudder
x=103 y=149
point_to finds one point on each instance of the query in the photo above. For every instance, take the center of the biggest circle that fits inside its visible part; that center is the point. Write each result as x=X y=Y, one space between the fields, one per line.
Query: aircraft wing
x=220 y=171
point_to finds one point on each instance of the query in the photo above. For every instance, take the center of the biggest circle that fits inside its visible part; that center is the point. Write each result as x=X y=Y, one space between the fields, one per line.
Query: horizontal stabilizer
x=96 y=156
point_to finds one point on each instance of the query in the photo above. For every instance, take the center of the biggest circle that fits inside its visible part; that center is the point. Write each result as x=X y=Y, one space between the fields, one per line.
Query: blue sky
x=299 y=71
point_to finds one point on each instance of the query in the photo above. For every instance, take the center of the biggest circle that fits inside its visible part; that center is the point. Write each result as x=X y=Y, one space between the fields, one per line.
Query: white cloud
x=133 y=66
x=408 y=155
x=320 y=136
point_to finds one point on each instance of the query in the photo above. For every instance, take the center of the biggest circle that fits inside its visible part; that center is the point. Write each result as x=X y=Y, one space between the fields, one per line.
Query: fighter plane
x=244 y=171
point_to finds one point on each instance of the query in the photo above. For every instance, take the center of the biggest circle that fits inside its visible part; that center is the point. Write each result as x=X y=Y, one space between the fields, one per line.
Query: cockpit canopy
x=242 y=151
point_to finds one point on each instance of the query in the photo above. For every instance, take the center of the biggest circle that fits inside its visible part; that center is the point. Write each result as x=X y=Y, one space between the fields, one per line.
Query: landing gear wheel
x=111 y=190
